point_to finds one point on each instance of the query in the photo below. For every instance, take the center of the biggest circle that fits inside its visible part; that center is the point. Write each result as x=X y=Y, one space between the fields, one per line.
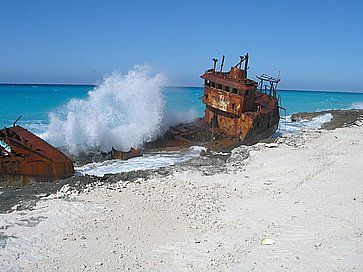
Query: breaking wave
x=123 y=112
x=315 y=123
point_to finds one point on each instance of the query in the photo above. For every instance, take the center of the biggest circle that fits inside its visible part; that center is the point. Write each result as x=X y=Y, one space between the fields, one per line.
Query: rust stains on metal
x=24 y=157
x=236 y=107
x=122 y=155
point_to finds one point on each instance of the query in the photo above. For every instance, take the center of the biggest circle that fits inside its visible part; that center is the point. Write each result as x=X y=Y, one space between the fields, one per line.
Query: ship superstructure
x=237 y=106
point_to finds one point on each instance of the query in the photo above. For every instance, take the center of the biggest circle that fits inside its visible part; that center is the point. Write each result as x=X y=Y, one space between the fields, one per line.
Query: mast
x=246 y=65
x=222 y=63
x=214 y=64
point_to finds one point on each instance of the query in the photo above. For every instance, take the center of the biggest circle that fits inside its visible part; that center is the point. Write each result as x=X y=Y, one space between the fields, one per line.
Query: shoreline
x=27 y=196
x=302 y=195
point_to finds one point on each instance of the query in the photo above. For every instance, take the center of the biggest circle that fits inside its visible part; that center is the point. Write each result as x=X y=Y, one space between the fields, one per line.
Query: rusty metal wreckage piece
x=24 y=157
x=125 y=155
x=238 y=111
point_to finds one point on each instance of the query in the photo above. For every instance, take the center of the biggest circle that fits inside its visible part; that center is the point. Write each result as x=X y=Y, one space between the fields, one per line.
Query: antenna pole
x=222 y=63
x=246 y=64
x=14 y=124
x=214 y=64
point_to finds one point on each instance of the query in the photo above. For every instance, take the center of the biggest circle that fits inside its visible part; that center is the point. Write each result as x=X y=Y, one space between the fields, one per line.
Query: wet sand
x=291 y=205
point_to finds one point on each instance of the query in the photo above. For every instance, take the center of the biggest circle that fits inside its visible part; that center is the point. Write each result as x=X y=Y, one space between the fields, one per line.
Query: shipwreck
x=24 y=158
x=238 y=110
x=235 y=107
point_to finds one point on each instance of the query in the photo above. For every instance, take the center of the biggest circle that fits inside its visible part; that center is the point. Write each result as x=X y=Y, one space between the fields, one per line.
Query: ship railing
x=270 y=92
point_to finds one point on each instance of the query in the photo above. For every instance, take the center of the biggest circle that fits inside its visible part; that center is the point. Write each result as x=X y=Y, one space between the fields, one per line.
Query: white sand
x=305 y=196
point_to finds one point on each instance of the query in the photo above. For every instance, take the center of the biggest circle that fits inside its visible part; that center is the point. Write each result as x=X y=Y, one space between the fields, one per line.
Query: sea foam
x=357 y=105
x=123 y=112
x=315 y=123
x=145 y=162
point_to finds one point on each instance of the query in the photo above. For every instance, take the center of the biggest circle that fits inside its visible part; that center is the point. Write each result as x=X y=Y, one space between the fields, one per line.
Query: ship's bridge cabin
x=230 y=92
x=240 y=107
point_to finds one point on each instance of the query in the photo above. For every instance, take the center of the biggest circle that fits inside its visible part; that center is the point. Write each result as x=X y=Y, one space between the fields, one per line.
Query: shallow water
x=36 y=102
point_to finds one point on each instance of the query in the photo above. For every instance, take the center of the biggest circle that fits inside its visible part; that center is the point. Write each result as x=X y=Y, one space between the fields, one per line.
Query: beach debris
x=267 y=241
x=24 y=157
x=125 y=155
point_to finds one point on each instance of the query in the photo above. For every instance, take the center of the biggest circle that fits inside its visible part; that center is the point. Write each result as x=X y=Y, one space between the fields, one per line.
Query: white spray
x=357 y=105
x=123 y=112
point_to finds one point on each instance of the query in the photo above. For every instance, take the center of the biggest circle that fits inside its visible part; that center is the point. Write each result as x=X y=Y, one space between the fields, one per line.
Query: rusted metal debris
x=24 y=157
x=122 y=155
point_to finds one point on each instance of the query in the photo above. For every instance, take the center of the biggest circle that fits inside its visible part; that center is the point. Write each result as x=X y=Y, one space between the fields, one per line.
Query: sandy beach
x=186 y=136
x=292 y=205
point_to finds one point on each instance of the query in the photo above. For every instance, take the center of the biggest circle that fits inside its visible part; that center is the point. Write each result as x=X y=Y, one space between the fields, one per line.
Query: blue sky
x=316 y=44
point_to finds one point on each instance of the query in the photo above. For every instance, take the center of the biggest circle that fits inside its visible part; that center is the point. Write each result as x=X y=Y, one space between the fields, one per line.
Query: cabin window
x=213 y=84
x=235 y=91
x=219 y=86
x=206 y=82
x=226 y=88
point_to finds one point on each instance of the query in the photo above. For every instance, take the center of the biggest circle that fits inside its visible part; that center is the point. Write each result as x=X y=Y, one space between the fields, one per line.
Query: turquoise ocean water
x=35 y=102
x=108 y=117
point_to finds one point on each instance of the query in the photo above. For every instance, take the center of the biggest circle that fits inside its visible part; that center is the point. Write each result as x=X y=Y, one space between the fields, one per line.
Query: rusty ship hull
x=235 y=106
x=24 y=158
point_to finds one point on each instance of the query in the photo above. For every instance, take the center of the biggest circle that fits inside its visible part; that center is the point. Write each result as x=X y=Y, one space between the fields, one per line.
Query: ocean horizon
x=176 y=86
